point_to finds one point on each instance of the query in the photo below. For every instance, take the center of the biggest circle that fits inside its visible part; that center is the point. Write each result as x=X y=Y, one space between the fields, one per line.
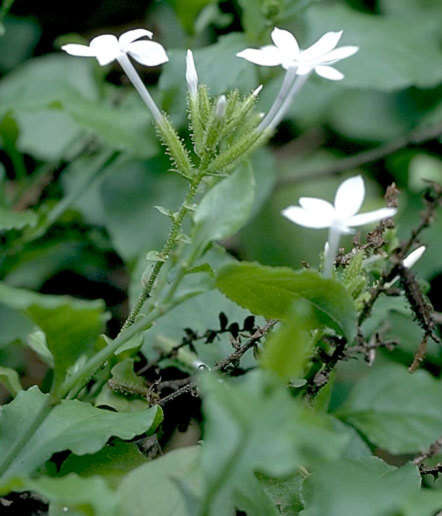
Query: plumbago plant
x=89 y=440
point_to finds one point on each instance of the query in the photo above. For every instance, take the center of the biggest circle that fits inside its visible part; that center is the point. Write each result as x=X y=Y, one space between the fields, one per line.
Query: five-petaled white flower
x=339 y=217
x=286 y=52
x=107 y=48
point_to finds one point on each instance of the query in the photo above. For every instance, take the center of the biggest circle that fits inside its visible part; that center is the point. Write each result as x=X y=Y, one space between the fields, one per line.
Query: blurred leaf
x=257 y=17
x=287 y=349
x=112 y=462
x=286 y=494
x=225 y=208
x=365 y=487
x=10 y=380
x=423 y=168
x=129 y=194
x=241 y=423
x=161 y=476
x=120 y=402
x=188 y=11
x=16 y=219
x=72 y=425
x=17 y=44
x=391 y=49
x=396 y=410
x=271 y=291
x=91 y=496
x=14 y=324
x=71 y=326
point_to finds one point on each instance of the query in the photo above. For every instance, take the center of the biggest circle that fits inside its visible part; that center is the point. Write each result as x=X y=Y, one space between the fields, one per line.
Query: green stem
x=165 y=252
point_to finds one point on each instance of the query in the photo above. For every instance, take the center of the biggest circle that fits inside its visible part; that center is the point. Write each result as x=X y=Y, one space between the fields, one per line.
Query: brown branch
x=224 y=365
x=433 y=450
x=413 y=138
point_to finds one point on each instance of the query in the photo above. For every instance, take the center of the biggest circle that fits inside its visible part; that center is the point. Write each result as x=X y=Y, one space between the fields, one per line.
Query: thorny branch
x=225 y=364
x=432 y=451
x=415 y=137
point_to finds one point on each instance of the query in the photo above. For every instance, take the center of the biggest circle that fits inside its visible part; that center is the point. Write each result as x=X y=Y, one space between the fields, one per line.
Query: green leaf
x=187 y=12
x=287 y=349
x=72 y=425
x=155 y=484
x=271 y=292
x=391 y=49
x=365 y=487
x=225 y=208
x=16 y=219
x=112 y=462
x=73 y=493
x=286 y=494
x=396 y=410
x=242 y=421
x=10 y=379
x=71 y=326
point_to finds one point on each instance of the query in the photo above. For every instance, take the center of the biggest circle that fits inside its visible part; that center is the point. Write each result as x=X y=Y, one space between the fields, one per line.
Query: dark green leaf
x=271 y=292
x=396 y=410
x=72 y=425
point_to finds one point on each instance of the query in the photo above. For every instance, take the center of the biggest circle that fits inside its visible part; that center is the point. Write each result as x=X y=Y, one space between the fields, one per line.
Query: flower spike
x=339 y=217
x=107 y=48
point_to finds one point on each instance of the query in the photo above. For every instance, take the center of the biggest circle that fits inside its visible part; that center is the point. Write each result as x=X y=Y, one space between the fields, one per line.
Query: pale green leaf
x=10 y=380
x=16 y=219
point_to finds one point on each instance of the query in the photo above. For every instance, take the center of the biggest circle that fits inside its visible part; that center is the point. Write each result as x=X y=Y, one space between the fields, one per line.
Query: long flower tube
x=285 y=52
x=107 y=48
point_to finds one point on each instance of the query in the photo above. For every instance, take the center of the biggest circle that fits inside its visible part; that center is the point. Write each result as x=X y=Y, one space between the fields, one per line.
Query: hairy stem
x=165 y=252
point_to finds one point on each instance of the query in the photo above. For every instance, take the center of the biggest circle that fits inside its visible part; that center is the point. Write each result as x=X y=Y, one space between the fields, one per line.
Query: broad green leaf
x=391 y=49
x=85 y=496
x=155 y=484
x=225 y=208
x=10 y=380
x=271 y=292
x=287 y=349
x=112 y=462
x=366 y=487
x=285 y=493
x=396 y=410
x=242 y=421
x=71 y=326
x=18 y=42
x=16 y=219
x=72 y=425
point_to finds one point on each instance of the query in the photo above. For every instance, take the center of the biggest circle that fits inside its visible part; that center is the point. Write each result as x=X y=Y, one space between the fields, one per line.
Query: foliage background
x=61 y=116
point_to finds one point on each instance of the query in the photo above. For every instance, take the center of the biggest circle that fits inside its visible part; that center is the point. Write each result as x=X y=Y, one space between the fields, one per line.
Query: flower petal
x=318 y=206
x=371 y=216
x=324 y=44
x=286 y=42
x=304 y=68
x=349 y=197
x=191 y=74
x=306 y=218
x=106 y=48
x=328 y=72
x=148 y=53
x=338 y=54
x=78 y=50
x=265 y=56
x=131 y=35
x=413 y=257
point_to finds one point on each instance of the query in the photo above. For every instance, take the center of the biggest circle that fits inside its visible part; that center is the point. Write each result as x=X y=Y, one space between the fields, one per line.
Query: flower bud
x=221 y=106
x=191 y=75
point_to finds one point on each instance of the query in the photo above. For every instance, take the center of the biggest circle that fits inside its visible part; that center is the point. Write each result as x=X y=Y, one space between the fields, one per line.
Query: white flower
x=317 y=213
x=413 y=257
x=286 y=52
x=107 y=48
x=191 y=75
x=339 y=217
